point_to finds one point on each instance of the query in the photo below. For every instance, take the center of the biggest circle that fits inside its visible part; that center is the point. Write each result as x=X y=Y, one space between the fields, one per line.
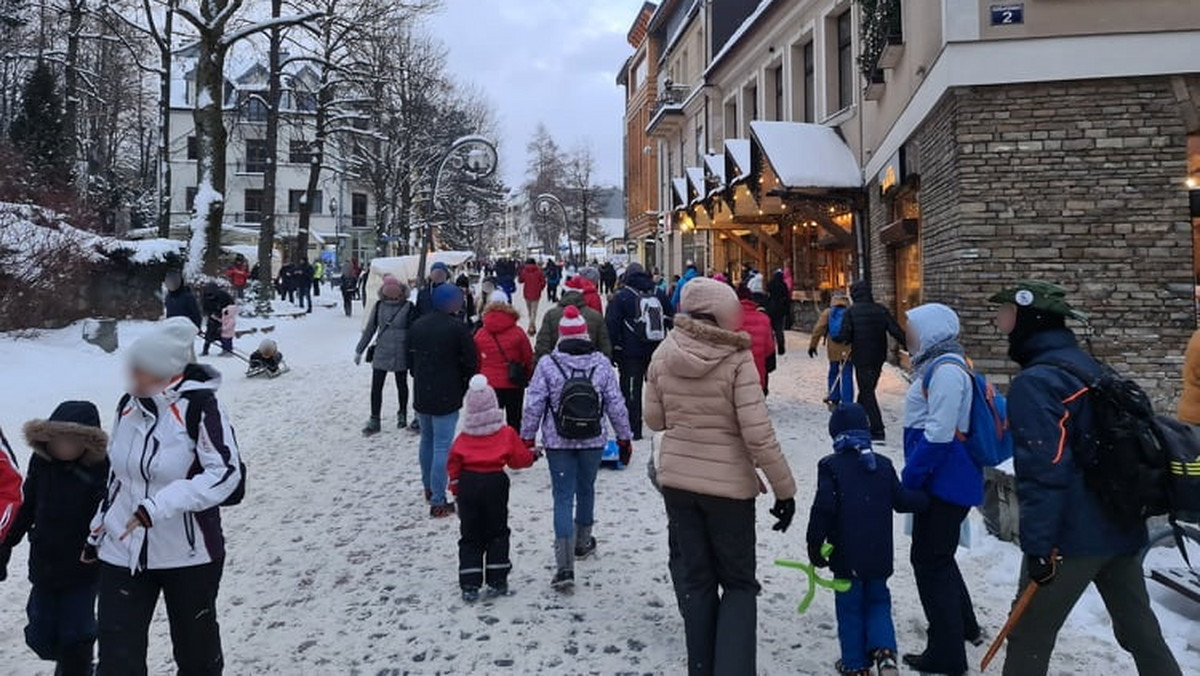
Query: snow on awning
x=737 y=160
x=680 y=187
x=714 y=170
x=806 y=156
x=695 y=176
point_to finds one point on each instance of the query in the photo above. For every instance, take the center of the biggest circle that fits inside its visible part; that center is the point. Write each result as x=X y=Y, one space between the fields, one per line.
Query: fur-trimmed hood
x=699 y=347
x=39 y=434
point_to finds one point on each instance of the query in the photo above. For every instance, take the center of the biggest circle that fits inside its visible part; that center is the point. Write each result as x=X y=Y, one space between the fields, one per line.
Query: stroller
x=267 y=361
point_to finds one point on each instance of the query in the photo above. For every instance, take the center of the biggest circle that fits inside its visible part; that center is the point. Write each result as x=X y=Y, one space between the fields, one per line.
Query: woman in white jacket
x=174 y=462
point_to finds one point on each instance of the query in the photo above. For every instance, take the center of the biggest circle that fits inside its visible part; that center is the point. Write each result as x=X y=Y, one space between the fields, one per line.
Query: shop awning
x=696 y=191
x=714 y=173
x=737 y=160
x=804 y=157
x=679 y=186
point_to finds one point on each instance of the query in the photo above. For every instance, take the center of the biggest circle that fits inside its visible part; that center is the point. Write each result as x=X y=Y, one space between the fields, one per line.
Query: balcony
x=668 y=108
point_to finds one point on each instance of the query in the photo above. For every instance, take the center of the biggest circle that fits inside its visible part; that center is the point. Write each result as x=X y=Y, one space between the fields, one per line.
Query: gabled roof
x=695 y=177
x=679 y=186
x=641 y=25
x=737 y=159
x=714 y=168
x=806 y=155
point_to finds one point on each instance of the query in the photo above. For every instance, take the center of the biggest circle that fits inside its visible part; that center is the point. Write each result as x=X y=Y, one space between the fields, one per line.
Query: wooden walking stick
x=1017 y=611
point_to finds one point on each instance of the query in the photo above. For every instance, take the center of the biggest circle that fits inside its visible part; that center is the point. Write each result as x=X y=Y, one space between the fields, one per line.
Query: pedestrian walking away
x=704 y=394
x=841 y=370
x=866 y=329
x=179 y=300
x=384 y=343
x=1069 y=539
x=215 y=303
x=779 y=306
x=477 y=479
x=757 y=325
x=505 y=358
x=637 y=319
x=573 y=390
x=533 y=282
x=348 y=284
x=547 y=336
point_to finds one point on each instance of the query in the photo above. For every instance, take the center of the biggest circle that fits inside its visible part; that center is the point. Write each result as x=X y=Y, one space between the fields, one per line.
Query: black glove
x=816 y=558
x=812 y=353
x=1042 y=569
x=783 y=511
x=5 y=555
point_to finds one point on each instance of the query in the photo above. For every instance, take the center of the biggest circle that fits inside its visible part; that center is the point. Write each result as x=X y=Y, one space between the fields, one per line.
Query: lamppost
x=544 y=204
x=474 y=156
x=334 y=205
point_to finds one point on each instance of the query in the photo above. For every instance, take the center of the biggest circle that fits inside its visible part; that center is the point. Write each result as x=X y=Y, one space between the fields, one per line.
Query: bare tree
x=581 y=192
x=266 y=234
x=546 y=173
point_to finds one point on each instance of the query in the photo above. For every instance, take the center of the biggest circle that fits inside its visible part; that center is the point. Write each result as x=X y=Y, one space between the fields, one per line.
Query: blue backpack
x=989 y=440
x=837 y=317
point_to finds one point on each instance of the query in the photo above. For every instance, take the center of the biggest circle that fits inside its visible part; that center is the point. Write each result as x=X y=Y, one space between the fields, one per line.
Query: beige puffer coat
x=703 y=391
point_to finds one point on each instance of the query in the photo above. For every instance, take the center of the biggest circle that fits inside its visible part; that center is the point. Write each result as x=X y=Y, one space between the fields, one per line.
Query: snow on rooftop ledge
x=807 y=155
x=739 y=150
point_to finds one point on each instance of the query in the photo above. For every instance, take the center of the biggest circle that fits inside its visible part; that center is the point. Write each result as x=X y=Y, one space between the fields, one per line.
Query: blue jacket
x=623 y=312
x=1048 y=414
x=688 y=275
x=182 y=303
x=853 y=511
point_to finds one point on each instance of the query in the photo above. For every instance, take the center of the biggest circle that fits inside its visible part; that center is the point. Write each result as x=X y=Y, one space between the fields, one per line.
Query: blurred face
x=1006 y=318
x=173 y=283
x=732 y=320
x=913 y=339
x=66 y=451
x=143 y=384
x=438 y=276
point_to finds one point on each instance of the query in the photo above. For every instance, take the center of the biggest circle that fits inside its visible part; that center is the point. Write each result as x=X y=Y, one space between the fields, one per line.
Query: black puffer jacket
x=182 y=303
x=866 y=328
x=442 y=356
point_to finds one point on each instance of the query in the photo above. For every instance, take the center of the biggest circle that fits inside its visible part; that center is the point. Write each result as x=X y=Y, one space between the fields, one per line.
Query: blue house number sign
x=1008 y=15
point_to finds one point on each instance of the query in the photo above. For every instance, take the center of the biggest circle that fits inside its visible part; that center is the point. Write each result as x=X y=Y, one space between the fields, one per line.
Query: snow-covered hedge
x=52 y=273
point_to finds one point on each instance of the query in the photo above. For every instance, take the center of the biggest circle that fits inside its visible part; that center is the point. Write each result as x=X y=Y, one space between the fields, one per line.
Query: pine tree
x=38 y=130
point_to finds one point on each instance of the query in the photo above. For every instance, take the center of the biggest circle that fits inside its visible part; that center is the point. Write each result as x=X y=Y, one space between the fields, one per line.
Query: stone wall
x=1078 y=183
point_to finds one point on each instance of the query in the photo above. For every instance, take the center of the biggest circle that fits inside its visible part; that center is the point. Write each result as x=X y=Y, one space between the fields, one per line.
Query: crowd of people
x=616 y=353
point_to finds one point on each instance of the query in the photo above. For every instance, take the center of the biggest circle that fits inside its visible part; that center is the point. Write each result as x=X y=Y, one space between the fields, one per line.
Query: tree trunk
x=211 y=140
x=73 y=142
x=266 y=234
x=317 y=160
x=164 y=121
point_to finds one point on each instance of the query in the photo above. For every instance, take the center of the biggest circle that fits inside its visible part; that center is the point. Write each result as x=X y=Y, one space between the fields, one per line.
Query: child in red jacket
x=758 y=325
x=10 y=490
x=476 y=465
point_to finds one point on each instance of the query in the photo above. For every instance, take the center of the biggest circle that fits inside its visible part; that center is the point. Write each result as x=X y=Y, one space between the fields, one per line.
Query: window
x=253 y=106
x=256 y=156
x=845 y=61
x=296 y=200
x=777 y=78
x=304 y=101
x=810 y=84
x=358 y=210
x=299 y=152
x=253 y=201
x=700 y=149
x=731 y=119
x=189 y=198
x=193 y=149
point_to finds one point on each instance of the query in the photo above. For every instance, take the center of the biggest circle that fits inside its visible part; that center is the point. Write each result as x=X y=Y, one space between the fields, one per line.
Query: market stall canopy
x=696 y=191
x=805 y=156
x=714 y=173
x=737 y=160
x=405 y=268
x=680 y=187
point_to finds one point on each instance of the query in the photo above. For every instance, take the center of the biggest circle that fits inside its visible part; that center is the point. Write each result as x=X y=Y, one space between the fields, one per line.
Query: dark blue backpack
x=989 y=440
x=837 y=317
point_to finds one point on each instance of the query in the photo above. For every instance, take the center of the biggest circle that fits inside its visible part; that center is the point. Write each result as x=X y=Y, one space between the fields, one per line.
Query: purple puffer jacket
x=546 y=387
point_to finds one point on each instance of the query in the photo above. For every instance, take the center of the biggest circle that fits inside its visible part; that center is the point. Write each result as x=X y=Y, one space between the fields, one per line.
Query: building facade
x=992 y=141
x=639 y=78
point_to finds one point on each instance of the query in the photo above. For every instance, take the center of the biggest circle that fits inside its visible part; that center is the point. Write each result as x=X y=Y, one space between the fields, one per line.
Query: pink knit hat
x=482 y=416
x=392 y=289
x=573 y=326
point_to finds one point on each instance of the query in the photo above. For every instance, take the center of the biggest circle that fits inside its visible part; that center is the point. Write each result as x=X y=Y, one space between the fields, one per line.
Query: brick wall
x=1078 y=183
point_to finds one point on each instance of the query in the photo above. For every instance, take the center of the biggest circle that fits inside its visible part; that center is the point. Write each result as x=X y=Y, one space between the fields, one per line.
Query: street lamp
x=544 y=204
x=337 y=229
x=473 y=156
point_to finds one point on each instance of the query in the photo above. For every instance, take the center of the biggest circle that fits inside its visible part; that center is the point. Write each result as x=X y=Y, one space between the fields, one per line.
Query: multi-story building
x=341 y=208
x=639 y=77
x=942 y=148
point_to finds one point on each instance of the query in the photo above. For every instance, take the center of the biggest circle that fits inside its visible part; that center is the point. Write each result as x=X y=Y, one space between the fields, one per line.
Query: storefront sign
x=889 y=177
x=1008 y=15
x=668 y=222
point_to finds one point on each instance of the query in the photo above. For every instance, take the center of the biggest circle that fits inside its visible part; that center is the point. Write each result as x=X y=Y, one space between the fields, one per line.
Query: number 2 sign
x=1008 y=15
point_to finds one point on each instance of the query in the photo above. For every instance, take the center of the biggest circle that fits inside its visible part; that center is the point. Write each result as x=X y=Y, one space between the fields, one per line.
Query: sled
x=1162 y=556
x=264 y=372
x=612 y=456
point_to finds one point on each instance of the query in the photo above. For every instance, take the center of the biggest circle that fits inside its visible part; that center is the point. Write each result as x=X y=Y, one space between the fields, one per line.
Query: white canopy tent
x=404 y=268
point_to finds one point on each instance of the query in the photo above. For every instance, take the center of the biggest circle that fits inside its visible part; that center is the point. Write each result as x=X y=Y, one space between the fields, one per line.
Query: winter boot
x=885 y=662
x=75 y=660
x=496 y=591
x=401 y=421
x=470 y=595
x=585 y=544
x=372 y=427
x=564 y=558
x=415 y=426
x=442 y=511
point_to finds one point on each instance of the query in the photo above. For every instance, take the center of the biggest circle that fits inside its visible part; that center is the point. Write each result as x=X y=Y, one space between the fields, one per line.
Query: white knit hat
x=167 y=350
x=573 y=325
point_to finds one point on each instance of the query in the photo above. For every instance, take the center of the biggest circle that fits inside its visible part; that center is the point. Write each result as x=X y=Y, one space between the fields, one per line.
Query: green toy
x=815 y=580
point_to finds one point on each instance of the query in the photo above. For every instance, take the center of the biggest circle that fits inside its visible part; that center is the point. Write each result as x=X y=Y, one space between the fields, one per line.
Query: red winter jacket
x=10 y=487
x=487 y=455
x=534 y=280
x=590 y=295
x=758 y=325
x=500 y=326
x=239 y=276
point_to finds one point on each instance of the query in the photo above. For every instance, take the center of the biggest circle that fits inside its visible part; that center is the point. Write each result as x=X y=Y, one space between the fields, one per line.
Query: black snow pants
x=127 y=605
x=944 y=596
x=712 y=565
x=483 y=519
x=868 y=379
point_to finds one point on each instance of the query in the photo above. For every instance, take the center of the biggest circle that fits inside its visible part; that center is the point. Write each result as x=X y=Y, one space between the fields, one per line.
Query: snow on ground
x=335 y=567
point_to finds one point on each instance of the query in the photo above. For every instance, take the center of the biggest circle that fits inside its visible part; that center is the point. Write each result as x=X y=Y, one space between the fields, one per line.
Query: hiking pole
x=1014 y=617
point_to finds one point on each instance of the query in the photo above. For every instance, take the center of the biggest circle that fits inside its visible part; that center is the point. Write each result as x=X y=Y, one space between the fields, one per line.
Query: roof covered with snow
x=807 y=155
x=681 y=190
x=737 y=151
x=695 y=177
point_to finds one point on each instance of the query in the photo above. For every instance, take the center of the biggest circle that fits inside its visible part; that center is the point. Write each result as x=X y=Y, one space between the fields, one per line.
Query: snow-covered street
x=336 y=568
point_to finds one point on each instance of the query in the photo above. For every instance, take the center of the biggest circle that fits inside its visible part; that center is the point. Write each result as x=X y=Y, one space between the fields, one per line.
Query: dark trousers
x=944 y=595
x=212 y=333
x=378 y=378
x=552 y=292
x=304 y=295
x=777 y=325
x=512 y=400
x=712 y=565
x=632 y=373
x=868 y=379
x=348 y=302
x=316 y=287
x=1122 y=586
x=289 y=292
x=62 y=627
x=127 y=605
x=864 y=615
x=483 y=525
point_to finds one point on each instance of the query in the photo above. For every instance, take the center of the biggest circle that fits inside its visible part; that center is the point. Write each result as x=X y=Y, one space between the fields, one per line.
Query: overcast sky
x=554 y=61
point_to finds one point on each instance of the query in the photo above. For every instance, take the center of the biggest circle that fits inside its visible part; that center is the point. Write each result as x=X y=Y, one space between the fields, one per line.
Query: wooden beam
x=774 y=244
x=749 y=250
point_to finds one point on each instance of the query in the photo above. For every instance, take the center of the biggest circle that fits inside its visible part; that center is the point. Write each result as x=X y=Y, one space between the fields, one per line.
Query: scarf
x=856 y=441
x=949 y=346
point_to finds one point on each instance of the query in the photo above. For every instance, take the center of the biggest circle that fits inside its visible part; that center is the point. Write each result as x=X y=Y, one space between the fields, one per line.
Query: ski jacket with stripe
x=180 y=482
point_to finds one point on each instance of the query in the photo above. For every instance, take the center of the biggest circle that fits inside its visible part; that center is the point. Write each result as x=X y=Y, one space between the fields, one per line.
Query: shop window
x=906 y=214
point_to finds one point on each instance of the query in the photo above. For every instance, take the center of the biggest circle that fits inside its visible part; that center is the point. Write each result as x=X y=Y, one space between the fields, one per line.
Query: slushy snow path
x=335 y=567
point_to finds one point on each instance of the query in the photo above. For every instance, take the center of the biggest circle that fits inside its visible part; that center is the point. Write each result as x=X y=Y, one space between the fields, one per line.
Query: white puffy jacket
x=156 y=465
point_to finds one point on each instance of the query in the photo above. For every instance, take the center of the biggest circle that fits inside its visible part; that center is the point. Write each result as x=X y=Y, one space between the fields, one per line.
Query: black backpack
x=196 y=401
x=581 y=409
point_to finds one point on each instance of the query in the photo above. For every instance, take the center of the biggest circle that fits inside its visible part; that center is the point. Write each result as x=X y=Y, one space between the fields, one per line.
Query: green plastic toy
x=815 y=580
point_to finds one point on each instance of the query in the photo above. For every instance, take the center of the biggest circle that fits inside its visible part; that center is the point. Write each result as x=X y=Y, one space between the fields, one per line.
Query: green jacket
x=547 y=337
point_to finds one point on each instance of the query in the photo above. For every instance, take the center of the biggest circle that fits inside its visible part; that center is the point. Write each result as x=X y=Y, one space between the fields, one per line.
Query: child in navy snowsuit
x=857 y=492
x=66 y=482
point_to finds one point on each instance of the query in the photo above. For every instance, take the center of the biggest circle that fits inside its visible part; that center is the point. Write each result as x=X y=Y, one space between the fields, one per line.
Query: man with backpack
x=866 y=329
x=1070 y=534
x=638 y=318
x=841 y=371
